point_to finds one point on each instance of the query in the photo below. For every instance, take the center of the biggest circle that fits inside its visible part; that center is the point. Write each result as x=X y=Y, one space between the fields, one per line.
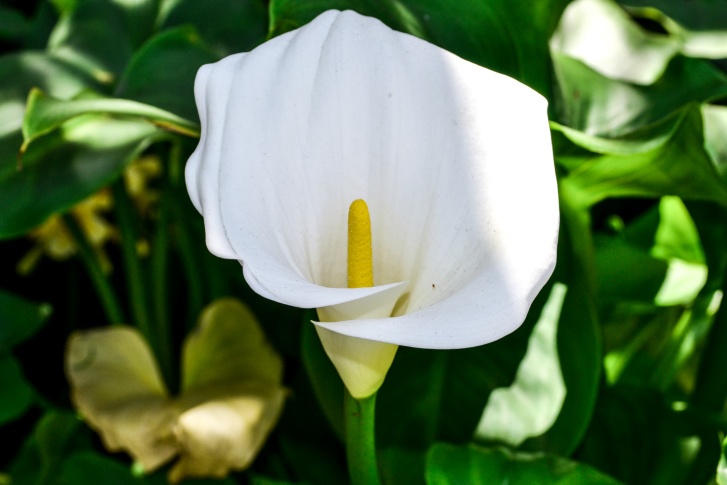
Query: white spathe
x=454 y=161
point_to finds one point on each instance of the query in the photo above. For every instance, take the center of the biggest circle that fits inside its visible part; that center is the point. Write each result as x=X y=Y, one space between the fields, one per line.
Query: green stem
x=106 y=293
x=188 y=251
x=360 y=442
x=134 y=274
x=189 y=254
x=159 y=267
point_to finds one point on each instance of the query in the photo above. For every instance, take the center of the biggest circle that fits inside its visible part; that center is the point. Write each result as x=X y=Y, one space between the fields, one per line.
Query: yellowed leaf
x=117 y=387
x=226 y=434
x=231 y=397
x=228 y=346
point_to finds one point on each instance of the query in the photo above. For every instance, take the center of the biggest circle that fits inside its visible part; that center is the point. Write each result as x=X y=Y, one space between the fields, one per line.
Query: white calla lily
x=454 y=161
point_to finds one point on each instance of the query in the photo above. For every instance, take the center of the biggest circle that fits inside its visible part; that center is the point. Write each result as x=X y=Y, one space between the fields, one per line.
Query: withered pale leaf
x=225 y=434
x=228 y=347
x=117 y=387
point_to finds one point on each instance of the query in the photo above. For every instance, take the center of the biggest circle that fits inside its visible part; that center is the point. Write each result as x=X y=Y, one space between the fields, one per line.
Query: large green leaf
x=530 y=406
x=605 y=37
x=66 y=166
x=431 y=395
x=19 y=73
x=162 y=71
x=227 y=27
x=45 y=114
x=487 y=33
x=95 y=36
x=579 y=338
x=654 y=317
x=427 y=394
x=602 y=35
x=597 y=105
x=450 y=465
x=678 y=165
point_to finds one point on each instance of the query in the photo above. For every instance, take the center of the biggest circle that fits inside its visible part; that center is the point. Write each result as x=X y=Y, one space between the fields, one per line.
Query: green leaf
x=56 y=435
x=20 y=319
x=617 y=280
x=19 y=73
x=635 y=437
x=569 y=142
x=607 y=37
x=677 y=236
x=722 y=465
x=141 y=16
x=700 y=42
x=45 y=114
x=16 y=393
x=449 y=465
x=67 y=165
x=672 y=269
x=95 y=36
x=13 y=24
x=433 y=395
x=715 y=141
x=402 y=465
x=579 y=337
x=308 y=445
x=678 y=166
x=89 y=468
x=162 y=71
x=695 y=15
x=227 y=27
x=597 y=105
x=601 y=34
x=530 y=406
x=486 y=33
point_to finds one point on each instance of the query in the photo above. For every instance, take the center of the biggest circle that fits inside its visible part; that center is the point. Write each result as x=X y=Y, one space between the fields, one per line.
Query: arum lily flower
x=230 y=400
x=453 y=161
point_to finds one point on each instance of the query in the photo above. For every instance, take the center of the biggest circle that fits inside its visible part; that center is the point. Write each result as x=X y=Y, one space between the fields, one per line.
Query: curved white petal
x=205 y=201
x=454 y=161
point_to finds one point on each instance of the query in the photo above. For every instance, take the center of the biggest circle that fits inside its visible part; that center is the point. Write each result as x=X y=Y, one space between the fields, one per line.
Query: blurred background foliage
x=619 y=373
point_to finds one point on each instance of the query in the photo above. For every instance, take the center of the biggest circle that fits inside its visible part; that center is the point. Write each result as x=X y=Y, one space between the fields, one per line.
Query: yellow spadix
x=362 y=364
